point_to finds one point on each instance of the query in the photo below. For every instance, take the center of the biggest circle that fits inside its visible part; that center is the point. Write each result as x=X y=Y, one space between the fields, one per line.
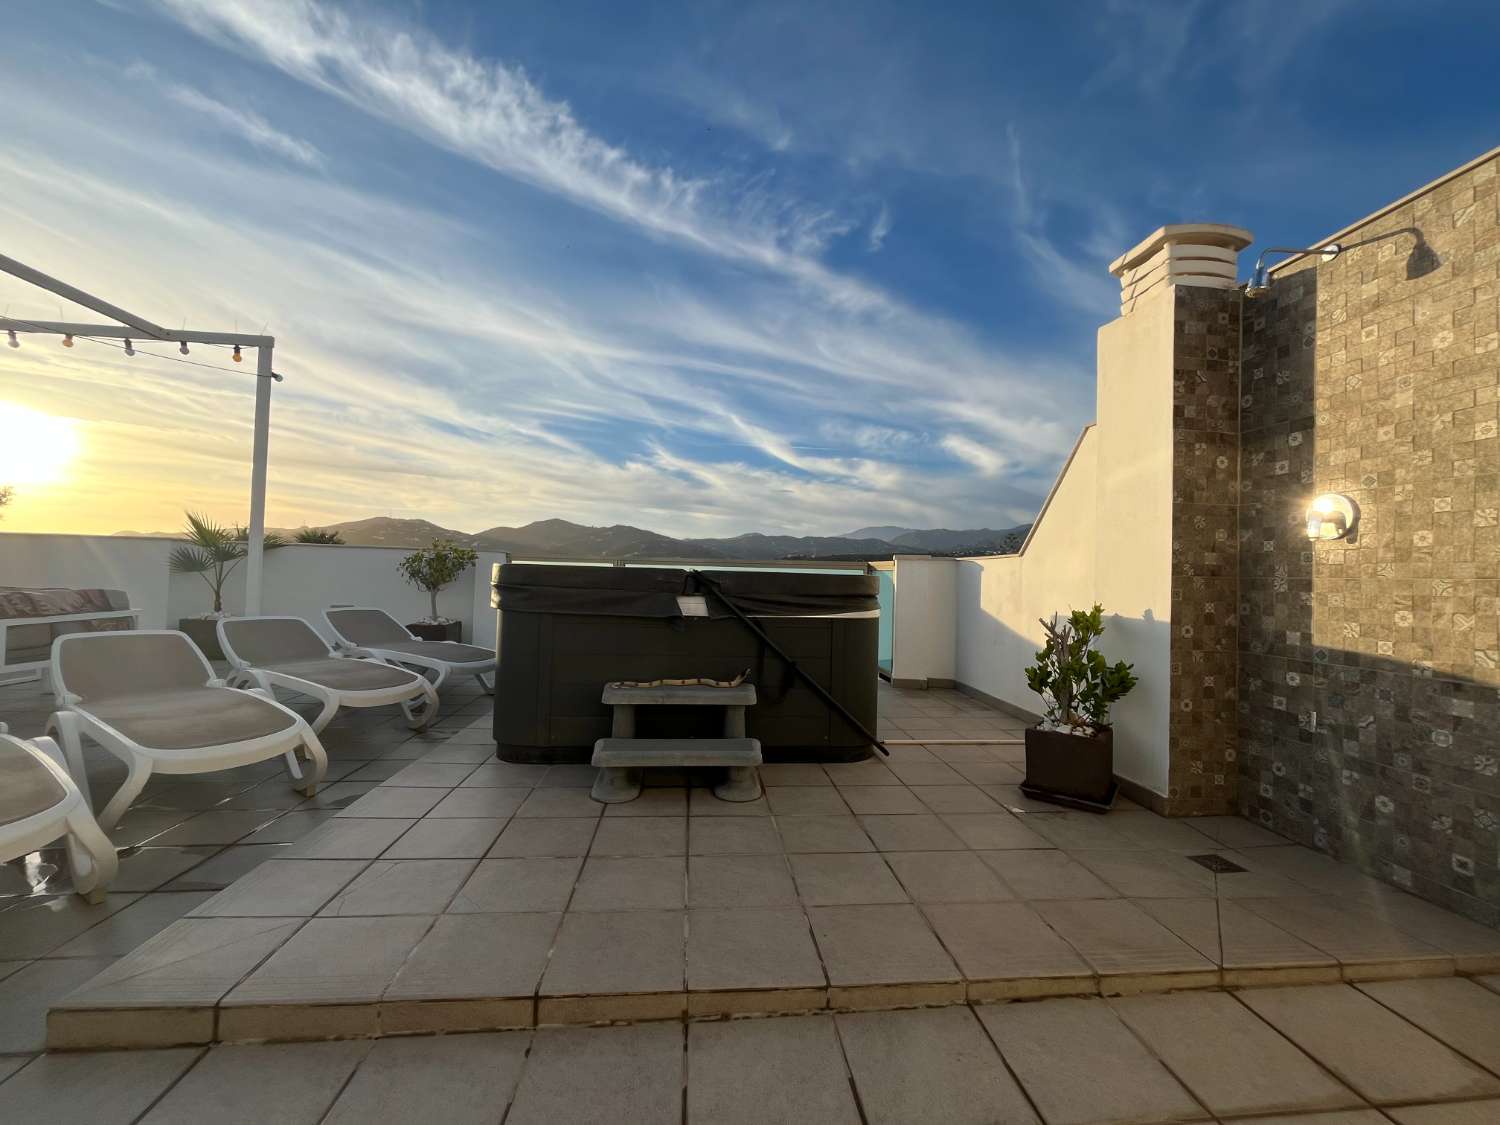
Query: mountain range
x=556 y=538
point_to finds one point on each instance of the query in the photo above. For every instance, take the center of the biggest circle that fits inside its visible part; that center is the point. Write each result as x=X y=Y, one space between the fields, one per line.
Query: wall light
x=1332 y=516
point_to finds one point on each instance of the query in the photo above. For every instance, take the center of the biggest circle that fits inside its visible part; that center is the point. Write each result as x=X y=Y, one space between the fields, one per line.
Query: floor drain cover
x=1217 y=863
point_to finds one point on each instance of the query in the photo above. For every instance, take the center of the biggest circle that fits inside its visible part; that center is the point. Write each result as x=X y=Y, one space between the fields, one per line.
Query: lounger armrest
x=217 y=681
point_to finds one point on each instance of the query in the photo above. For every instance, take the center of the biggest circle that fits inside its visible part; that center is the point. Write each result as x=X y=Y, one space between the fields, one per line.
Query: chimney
x=1202 y=254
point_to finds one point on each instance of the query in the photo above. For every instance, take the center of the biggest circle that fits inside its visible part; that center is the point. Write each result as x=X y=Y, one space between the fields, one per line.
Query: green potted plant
x=212 y=552
x=431 y=569
x=1070 y=753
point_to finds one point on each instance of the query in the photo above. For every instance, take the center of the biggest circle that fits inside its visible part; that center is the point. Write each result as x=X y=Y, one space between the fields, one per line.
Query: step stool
x=622 y=756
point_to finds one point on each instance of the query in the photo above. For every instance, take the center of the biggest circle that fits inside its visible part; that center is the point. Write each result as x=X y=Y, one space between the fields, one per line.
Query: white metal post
x=255 y=556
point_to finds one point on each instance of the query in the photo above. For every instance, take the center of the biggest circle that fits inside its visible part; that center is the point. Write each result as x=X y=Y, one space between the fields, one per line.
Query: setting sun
x=35 y=448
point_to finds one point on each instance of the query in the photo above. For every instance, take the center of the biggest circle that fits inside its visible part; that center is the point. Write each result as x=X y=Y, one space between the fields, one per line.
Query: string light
x=236 y=357
x=11 y=332
x=67 y=339
x=126 y=346
x=183 y=348
x=129 y=348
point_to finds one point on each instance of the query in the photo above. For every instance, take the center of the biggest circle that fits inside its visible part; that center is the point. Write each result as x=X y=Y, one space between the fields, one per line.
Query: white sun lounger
x=39 y=803
x=287 y=652
x=150 y=698
x=365 y=631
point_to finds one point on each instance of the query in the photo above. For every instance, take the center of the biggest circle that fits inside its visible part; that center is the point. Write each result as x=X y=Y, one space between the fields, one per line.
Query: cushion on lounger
x=367 y=627
x=111 y=665
x=346 y=675
x=191 y=718
x=440 y=650
x=26 y=786
x=261 y=641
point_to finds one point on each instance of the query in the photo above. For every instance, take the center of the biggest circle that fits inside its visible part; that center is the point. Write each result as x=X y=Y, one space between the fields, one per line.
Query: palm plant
x=213 y=551
x=318 y=535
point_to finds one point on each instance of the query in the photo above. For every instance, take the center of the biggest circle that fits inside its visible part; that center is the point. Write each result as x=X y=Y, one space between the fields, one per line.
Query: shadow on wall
x=1367 y=729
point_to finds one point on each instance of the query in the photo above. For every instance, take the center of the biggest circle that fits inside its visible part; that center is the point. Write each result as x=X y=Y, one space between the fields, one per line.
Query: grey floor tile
x=702 y=802
x=534 y=838
x=947 y=877
x=605 y=1075
x=470 y=803
x=438 y=775
x=661 y=801
x=844 y=880
x=641 y=836
x=477 y=955
x=289 y=827
x=349 y=838
x=152 y=867
x=400 y=886
x=562 y=802
x=763 y=1072
x=1082 y=1066
x=121 y=932
x=751 y=949
x=805 y=800
x=26 y=994
x=965 y=798
x=1116 y=936
x=1003 y=941
x=878 y=800
x=38 y=925
x=333 y=960
x=1149 y=874
x=732 y=835
x=879 y=945
x=409 y=803
x=216 y=826
x=506 y=775
x=282 y=888
x=446 y=838
x=288 y=1084
x=636 y=883
x=990 y=831
x=1046 y=874
x=1232 y=1061
x=929 y=1066
x=223 y=868
x=806 y=834
x=1464 y=1015
x=101 y=1088
x=1341 y=928
x=740 y=880
x=912 y=833
x=467 y=1079
x=1371 y=1048
x=630 y=951
x=520 y=884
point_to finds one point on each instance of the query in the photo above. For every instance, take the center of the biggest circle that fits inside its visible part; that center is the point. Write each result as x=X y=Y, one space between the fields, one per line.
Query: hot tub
x=566 y=631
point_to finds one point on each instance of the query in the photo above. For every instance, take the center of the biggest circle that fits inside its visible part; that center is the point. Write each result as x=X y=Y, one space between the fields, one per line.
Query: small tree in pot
x=1070 y=753
x=431 y=569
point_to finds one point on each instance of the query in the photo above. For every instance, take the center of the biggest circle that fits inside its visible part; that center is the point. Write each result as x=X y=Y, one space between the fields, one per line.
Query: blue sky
x=700 y=267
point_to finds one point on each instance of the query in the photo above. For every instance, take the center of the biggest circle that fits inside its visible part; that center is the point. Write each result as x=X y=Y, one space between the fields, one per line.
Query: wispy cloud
x=879 y=229
x=242 y=121
x=981 y=457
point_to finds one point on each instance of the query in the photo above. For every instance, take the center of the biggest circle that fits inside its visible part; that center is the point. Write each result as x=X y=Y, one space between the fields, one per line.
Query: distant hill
x=562 y=539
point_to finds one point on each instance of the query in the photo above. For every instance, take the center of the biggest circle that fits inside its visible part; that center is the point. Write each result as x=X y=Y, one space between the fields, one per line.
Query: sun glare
x=35 y=448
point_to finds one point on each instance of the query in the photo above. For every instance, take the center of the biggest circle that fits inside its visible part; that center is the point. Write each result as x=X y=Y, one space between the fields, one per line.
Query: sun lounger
x=287 y=652
x=365 y=631
x=39 y=803
x=150 y=698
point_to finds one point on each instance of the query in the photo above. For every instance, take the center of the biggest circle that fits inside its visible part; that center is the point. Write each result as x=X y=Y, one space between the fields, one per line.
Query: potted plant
x=1070 y=753
x=431 y=569
x=212 y=552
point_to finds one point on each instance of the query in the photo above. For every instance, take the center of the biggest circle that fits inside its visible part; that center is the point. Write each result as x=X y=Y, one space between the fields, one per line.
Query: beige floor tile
x=993 y=831
x=1464 y=1015
x=733 y=835
x=702 y=802
x=751 y=949
x=505 y=775
x=1372 y=1049
x=800 y=834
x=641 y=883
x=224 y=867
x=471 y=1077
x=1003 y=941
x=192 y=962
x=663 y=801
x=532 y=839
x=1341 y=928
x=641 y=836
x=966 y=798
x=465 y=752
x=570 y=775
x=1194 y=920
x=1329 y=1117
x=26 y=994
x=39 y=925
x=881 y=799
x=1117 y=937
x=793 y=773
x=216 y=826
x=1149 y=874
x=765 y=1072
x=559 y=803
x=455 y=838
x=984 y=771
x=606 y=1075
x=1321 y=874
x=627 y=952
x=1231 y=1060
x=878 y=945
x=1080 y=831
x=1256 y=881
x=1437 y=927
x=517 y=885
x=289 y=1084
x=1236 y=832
x=868 y=772
x=1046 y=874
x=429 y=774
x=143 y=919
x=469 y=803
x=349 y=838
x=929 y=1066
x=805 y=800
x=98 y=1088
x=842 y=880
x=331 y=960
x=1160 y=833
x=1485 y=1112
x=924 y=773
x=947 y=877
x=740 y=880
x=408 y=803
x=1248 y=940
x=1082 y=1066
x=150 y=868
x=400 y=886
x=1011 y=798
x=282 y=888
x=915 y=833
x=477 y=955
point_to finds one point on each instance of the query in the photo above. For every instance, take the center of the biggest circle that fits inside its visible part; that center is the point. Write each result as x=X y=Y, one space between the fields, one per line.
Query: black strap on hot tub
x=713 y=587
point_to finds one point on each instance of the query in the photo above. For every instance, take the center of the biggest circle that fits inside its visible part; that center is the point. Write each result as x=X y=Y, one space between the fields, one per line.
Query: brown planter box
x=1065 y=768
x=203 y=632
x=452 y=631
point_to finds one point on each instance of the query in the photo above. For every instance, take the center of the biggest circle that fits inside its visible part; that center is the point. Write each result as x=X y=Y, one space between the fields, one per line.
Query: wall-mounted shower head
x=1259 y=284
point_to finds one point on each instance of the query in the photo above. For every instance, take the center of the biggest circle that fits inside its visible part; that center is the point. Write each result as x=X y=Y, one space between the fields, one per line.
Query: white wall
x=924 y=614
x=109 y=562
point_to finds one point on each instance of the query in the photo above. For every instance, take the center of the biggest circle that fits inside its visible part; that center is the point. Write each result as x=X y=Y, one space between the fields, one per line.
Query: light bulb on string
x=129 y=347
x=237 y=357
x=67 y=339
x=183 y=348
x=11 y=332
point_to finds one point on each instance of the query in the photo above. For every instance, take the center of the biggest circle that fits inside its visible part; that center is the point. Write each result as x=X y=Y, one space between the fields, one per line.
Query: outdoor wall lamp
x=1332 y=516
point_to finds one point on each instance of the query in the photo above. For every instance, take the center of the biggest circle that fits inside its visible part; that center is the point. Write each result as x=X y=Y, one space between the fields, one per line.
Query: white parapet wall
x=923 y=617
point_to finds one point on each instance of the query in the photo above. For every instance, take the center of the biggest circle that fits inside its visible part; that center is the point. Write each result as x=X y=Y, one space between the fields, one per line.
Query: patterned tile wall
x=1369 y=671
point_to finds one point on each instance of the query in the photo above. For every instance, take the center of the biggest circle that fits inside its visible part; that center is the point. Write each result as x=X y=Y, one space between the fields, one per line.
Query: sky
x=701 y=267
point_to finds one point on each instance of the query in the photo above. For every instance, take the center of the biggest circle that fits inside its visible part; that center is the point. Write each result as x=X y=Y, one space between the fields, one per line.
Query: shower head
x=1260 y=285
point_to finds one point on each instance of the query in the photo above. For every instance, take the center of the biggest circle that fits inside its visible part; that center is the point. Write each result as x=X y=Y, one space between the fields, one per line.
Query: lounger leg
x=135 y=781
x=91 y=857
x=440 y=677
x=63 y=725
x=319 y=759
x=486 y=681
x=421 y=716
x=325 y=716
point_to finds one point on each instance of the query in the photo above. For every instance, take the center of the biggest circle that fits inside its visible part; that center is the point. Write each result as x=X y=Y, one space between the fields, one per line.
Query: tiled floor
x=431 y=887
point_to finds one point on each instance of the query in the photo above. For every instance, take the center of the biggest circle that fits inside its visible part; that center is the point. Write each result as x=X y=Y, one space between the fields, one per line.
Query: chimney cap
x=1197 y=234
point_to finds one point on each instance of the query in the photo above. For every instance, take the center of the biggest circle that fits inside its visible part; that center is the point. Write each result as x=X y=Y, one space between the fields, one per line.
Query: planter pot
x=451 y=631
x=1067 y=769
x=203 y=632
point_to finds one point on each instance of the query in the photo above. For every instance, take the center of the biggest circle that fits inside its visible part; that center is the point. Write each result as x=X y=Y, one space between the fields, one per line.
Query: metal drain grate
x=1217 y=864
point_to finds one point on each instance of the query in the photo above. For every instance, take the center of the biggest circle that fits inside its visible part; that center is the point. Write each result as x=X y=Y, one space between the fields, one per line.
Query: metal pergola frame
x=128 y=326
